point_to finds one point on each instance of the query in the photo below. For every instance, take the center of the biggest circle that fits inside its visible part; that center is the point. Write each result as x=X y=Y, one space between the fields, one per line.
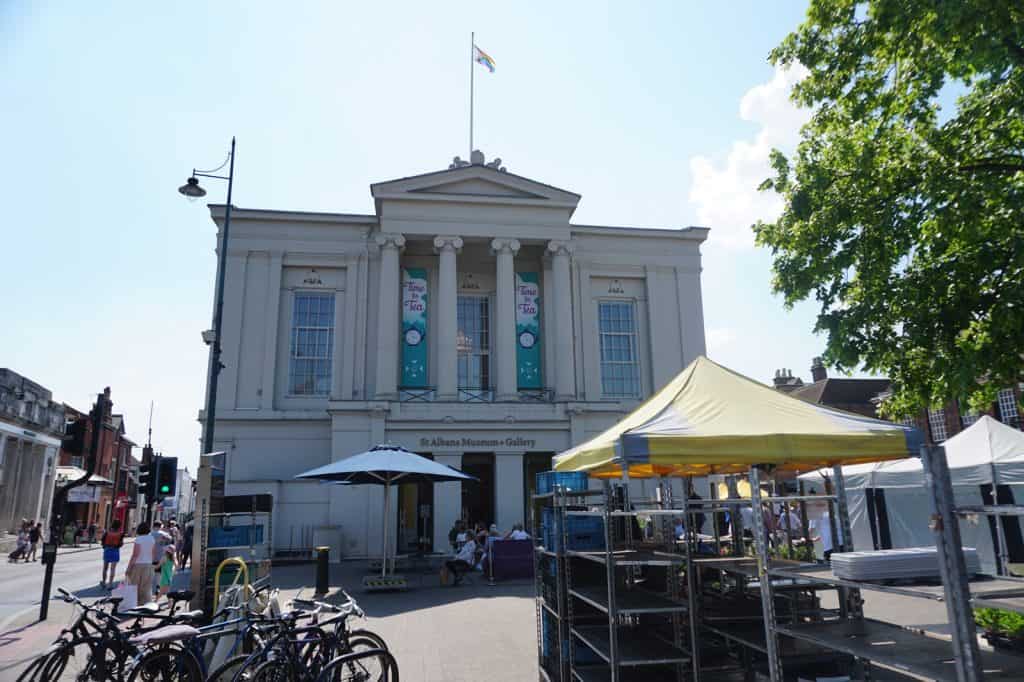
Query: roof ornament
x=477 y=159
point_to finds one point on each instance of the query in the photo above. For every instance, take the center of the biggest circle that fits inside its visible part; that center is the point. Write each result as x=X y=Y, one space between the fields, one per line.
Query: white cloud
x=726 y=195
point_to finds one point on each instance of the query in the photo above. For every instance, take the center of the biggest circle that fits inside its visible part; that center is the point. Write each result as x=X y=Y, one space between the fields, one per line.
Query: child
x=111 y=541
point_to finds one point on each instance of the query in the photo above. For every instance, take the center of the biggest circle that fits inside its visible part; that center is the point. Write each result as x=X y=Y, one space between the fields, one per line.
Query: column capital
x=500 y=246
x=390 y=240
x=447 y=243
x=558 y=247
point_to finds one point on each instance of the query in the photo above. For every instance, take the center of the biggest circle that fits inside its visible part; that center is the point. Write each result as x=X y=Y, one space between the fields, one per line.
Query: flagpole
x=472 y=47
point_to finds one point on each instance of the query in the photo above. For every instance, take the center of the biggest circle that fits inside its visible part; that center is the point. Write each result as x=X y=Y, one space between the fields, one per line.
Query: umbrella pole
x=384 y=548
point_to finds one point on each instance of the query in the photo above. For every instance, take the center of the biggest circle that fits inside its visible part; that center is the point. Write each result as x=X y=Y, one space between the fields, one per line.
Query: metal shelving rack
x=634 y=635
x=550 y=603
x=868 y=648
x=890 y=646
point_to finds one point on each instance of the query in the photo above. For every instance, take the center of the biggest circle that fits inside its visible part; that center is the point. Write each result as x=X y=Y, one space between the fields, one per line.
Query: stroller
x=18 y=553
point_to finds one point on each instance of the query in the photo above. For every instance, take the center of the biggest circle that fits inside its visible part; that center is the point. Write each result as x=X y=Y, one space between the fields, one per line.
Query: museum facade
x=467 y=319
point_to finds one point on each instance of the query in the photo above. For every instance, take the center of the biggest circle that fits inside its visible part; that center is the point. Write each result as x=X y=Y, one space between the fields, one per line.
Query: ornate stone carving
x=476 y=158
x=558 y=247
x=501 y=245
x=390 y=240
x=446 y=242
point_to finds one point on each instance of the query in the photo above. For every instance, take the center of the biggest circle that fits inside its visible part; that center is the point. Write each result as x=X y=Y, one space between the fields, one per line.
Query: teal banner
x=414 y=328
x=528 y=330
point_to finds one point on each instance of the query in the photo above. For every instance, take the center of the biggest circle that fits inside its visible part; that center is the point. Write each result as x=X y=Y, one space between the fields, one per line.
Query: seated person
x=463 y=561
x=678 y=529
x=453 y=535
x=517 y=533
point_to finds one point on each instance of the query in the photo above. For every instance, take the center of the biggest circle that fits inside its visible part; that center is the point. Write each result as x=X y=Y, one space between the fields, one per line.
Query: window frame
x=941 y=415
x=634 y=335
x=1007 y=399
x=484 y=353
x=292 y=343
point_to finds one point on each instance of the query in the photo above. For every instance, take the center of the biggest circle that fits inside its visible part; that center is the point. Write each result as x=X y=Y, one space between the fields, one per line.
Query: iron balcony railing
x=417 y=395
x=536 y=395
x=476 y=395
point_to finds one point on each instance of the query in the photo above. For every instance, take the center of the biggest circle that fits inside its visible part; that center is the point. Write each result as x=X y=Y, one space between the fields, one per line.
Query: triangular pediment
x=478 y=187
x=476 y=183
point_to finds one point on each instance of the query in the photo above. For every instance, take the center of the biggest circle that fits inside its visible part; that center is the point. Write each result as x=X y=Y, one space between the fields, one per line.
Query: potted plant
x=1002 y=629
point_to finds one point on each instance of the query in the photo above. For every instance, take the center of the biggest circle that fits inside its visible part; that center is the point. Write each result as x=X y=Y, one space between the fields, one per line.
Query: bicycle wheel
x=79 y=659
x=372 y=636
x=169 y=664
x=275 y=670
x=360 y=666
x=241 y=667
x=34 y=672
x=361 y=644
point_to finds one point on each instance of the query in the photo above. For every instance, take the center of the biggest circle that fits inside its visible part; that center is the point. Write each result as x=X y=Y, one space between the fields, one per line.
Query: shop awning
x=710 y=419
x=71 y=473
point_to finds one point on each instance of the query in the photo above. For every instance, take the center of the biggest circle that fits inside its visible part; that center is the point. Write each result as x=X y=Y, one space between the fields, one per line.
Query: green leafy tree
x=904 y=219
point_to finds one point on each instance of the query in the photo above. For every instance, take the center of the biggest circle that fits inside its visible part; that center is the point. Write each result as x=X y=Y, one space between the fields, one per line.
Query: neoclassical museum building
x=467 y=319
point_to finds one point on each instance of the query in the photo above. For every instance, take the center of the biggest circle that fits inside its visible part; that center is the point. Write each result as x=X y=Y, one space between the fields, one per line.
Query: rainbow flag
x=481 y=57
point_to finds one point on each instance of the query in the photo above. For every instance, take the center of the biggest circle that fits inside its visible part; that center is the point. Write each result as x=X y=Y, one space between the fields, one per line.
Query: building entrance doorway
x=478 y=495
x=415 y=516
x=533 y=464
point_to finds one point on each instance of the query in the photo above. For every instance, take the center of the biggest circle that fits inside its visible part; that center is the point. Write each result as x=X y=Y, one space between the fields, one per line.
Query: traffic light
x=167 y=477
x=147 y=479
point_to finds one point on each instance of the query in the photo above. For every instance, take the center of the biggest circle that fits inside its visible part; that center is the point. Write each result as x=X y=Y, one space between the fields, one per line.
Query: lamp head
x=191 y=188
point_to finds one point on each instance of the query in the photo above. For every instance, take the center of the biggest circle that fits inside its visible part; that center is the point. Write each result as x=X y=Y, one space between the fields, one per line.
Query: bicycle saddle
x=195 y=614
x=168 y=633
x=181 y=595
x=148 y=609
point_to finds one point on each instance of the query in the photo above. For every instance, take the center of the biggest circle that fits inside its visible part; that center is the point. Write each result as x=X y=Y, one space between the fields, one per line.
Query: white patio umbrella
x=385 y=465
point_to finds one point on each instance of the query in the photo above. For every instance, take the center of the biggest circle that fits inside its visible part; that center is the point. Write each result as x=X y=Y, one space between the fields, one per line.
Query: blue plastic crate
x=586 y=533
x=584 y=655
x=568 y=480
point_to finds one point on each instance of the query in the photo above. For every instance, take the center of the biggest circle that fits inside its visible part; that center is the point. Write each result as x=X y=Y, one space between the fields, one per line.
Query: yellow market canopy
x=711 y=420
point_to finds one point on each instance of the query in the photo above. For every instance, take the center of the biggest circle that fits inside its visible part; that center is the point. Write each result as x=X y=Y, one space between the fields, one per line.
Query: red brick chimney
x=818 y=371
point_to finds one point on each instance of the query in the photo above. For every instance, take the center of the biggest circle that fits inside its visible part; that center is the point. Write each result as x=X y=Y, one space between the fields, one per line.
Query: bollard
x=322 y=554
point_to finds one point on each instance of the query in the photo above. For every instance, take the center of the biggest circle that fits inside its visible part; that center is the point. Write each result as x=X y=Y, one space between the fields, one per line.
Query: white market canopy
x=71 y=473
x=987 y=452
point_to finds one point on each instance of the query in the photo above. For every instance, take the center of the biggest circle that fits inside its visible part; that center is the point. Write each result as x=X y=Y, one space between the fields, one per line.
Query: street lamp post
x=192 y=189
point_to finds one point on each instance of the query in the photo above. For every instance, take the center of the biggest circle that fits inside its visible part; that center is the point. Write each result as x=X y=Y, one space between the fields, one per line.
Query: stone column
x=509 y=493
x=387 y=316
x=565 y=382
x=447 y=248
x=503 y=350
x=447 y=503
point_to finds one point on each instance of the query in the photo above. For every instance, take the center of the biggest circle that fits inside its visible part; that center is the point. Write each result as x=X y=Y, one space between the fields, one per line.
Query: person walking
x=140 y=565
x=35 y=533
x=91 y=532
x=186 y=546
x=111 y=541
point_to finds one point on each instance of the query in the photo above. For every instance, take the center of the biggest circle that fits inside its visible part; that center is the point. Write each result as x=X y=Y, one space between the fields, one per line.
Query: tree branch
x=999 y=167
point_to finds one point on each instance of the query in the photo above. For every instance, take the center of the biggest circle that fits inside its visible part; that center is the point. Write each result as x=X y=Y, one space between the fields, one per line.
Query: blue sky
x=659 y=114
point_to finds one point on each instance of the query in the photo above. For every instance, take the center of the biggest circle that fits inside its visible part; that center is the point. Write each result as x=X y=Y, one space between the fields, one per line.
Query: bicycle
x=97 y=648
x=300 y=652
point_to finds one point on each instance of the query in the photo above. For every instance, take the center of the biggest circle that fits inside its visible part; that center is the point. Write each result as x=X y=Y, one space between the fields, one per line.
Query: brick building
x=110 y=493
x=863 y=396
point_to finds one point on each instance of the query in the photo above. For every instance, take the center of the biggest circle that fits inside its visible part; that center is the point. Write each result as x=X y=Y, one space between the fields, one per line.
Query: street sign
x=84 y=493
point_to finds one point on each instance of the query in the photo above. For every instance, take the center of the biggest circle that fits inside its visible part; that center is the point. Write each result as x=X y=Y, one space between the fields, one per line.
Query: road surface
x=76 y=570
